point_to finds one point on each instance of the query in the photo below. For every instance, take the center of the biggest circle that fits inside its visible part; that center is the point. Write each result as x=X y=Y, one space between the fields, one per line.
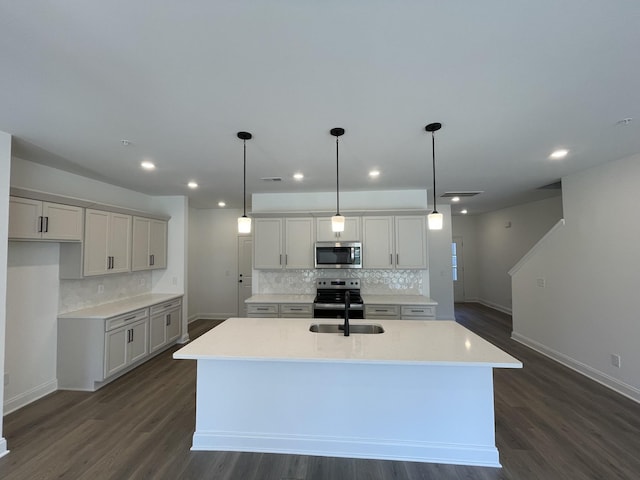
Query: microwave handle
x=353 y=254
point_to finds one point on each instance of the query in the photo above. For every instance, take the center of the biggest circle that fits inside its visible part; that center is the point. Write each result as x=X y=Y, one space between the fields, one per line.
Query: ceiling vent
x=460 y=194
x=271 y=179
x=552 y=186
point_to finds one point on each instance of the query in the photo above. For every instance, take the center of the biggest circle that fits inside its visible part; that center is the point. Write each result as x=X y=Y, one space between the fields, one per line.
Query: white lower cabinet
x=382 y=312
x=402 y=312
x=94 y=349
x=283 y=310
x=165 y=324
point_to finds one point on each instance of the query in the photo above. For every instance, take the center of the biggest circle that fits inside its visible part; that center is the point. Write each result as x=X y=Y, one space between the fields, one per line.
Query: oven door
x=328 y=312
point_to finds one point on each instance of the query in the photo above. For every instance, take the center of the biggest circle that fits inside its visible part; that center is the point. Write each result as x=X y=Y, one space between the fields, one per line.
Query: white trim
x=495 y=306
x=535 y=248
x=3 y=447
x=25 y=398
x=608 y=381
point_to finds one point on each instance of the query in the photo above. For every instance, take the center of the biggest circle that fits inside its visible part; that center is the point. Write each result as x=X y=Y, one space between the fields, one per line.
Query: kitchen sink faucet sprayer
x=347 y=304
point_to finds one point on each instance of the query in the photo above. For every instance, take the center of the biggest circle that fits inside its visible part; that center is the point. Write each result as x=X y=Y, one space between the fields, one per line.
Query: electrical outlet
x=100 y=288
x=540 y=282
x=142 y=281
x=616 y=360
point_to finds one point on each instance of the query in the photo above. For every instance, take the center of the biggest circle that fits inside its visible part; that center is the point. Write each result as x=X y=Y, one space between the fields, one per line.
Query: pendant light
x=434 y=218
x=337 y=221
x=244 y=222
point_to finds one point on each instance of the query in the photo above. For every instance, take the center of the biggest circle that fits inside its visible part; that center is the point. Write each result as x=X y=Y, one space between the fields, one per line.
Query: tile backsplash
x=373 y=282
x=91 y=291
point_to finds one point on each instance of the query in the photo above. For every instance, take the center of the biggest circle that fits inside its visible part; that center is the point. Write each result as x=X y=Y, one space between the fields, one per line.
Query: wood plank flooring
x=551 y=423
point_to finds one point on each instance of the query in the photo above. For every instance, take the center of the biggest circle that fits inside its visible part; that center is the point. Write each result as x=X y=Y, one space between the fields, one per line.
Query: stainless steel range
x=333 y=294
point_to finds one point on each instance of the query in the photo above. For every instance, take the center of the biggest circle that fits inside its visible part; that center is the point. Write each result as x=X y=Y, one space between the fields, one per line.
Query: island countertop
x=442 y=343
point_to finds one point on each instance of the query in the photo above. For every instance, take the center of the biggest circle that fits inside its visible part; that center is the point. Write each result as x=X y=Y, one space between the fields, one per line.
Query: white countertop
x=112 y=309
x=397 y=300
x=369 y=299
x=280 y=298
x=444 y=343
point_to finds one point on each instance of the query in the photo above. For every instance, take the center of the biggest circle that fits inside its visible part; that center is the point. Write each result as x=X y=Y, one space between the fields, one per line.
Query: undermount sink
x=334 y=328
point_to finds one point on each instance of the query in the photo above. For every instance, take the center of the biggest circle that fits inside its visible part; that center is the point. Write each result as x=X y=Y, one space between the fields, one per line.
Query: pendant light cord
x=244 y=180
x=337 y=180
x=433 y=150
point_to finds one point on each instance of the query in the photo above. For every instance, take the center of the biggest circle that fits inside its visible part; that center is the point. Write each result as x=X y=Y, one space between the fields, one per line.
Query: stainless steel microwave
x=338 y=255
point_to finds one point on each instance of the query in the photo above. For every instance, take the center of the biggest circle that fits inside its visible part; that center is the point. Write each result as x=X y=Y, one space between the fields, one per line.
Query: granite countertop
x=112 y=309
x=404 y=342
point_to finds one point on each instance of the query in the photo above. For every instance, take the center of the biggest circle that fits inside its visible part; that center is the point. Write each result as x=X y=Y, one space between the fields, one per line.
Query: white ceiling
x=509 y=80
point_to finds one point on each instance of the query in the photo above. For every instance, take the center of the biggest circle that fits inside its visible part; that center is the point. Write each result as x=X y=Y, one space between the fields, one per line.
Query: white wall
x=501 y=239
x=5 y=176
x=590 y=268
x=34 y=269
x=214 y=256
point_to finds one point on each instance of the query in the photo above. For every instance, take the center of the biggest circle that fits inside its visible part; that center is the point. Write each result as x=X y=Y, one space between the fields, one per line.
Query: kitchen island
x=420 y=391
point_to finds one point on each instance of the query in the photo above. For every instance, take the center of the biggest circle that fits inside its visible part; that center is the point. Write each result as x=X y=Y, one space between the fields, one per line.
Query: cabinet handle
x=286 y=259
x=129 y=336
x=152 y=259
x=262 y=309
x=40 y=224
x=380 y=310
x=397 y=258
x=280 y=259
x=168 y=319
x=132 y=334
x=130 y=318
x=46 y=224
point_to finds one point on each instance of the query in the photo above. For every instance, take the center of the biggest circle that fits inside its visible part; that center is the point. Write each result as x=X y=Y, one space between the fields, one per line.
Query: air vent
x=552 y=186
x=271 y=179
x=461 y=194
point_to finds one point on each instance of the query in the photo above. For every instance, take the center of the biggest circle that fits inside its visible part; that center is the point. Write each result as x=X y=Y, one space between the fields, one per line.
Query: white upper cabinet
x=394 y=242
x=149 y=249
x=351 y=230
x=283 y=243
x=36 y=220
x=107 y=247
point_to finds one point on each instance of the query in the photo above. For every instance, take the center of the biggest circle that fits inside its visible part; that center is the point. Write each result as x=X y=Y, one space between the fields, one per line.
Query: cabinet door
x=158 y=243
x=351 y=230
x=268 y=243
x=377 y=242
x=120 y=242
x=138 y=346
x=115 y=350
x=411 y=242
x=157 y=332
x=299 y=242
x=174 y=324
x=96 y=227
x=25 y=218
x=62 y=222
x=140 y=257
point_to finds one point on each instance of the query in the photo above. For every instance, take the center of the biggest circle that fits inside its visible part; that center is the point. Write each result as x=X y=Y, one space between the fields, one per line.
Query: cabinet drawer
x=296 y=309
x=161 y=307
x=418 y=311
x=126 y=318
x=381 y=310
x=261 y=309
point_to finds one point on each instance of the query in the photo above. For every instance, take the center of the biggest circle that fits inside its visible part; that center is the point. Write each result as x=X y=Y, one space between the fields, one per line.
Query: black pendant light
x=337 y=221
x=244 y=222
x=435 y=219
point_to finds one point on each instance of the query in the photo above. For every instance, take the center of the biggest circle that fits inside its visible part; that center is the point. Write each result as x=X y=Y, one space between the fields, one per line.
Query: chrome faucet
x=347 y=304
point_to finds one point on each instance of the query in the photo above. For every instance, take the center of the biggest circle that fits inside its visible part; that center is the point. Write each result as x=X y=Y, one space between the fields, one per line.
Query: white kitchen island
x=420 y=391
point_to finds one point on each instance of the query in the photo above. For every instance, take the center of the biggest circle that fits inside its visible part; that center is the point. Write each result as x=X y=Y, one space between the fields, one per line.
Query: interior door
x=245 y=250
x=457 y=267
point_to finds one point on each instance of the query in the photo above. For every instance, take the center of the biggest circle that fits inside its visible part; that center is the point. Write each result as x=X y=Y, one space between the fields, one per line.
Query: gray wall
x=494 y=242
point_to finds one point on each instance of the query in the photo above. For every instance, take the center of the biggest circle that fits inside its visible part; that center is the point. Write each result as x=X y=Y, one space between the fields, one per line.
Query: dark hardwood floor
x=551 y=423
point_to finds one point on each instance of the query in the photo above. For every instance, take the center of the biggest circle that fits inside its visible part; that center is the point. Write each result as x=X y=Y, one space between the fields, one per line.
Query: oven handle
x=336 y=306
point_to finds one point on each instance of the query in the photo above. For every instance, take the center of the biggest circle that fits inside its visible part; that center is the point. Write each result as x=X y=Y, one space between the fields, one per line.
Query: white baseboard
x=608 y=381
x=3 y=447
x=495 y=306
x=25 y=398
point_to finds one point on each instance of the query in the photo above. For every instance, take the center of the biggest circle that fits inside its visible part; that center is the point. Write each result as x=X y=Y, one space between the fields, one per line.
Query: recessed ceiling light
x=455 y=199
x=192 y=184
x=558 y=154
x=463 y=212
x=147 y=165
x=374 y=173
x=298 y=176
x=222 y=204
x=125 y=143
